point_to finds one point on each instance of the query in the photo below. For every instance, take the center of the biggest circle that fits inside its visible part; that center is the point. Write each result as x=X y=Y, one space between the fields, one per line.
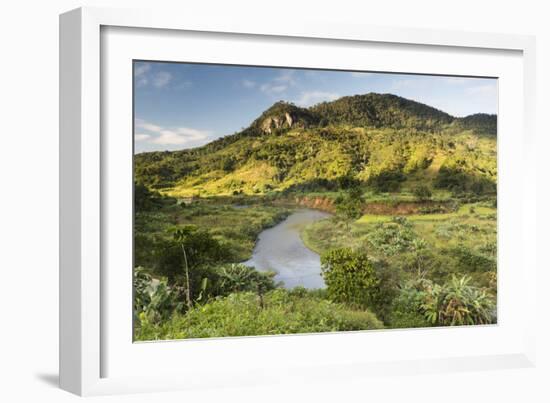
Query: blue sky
x=182 y=105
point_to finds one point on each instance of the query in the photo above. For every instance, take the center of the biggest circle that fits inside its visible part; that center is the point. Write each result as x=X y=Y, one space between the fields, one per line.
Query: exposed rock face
x=289 y=119
x=277 y=122
x=283 y=116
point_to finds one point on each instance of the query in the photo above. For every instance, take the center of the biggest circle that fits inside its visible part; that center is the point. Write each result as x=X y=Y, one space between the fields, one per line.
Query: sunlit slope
x=387 y=142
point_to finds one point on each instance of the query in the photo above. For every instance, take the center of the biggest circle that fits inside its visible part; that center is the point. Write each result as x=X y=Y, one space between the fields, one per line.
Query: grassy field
x=234 y=225
x=281 y=312
x=463 y=241
x=466 y=211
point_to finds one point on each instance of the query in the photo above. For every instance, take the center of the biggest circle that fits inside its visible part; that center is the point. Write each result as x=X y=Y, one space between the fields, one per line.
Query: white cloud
x=180 y=136
x=170 y=136
x=147 y=126
x=141 y=69
x=308 y=98
x=248 y=84
x=140 y=74
x=279 y=84
x=144 y=75
x=142 y=136
x=161 y=79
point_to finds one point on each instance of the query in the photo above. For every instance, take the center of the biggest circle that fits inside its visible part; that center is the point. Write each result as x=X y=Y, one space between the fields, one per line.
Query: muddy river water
x=281 y=250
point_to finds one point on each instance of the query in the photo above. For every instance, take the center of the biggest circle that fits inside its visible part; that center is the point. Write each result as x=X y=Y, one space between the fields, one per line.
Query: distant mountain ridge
x=381 y=110
x=363 y=136
x=368 y=110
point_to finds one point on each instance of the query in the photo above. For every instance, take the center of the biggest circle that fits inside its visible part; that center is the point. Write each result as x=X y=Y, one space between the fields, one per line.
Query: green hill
x=381 y=110
x=385 y=141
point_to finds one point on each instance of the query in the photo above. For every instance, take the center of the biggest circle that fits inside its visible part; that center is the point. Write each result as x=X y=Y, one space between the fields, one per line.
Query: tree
x=145 y=199
x=387 y=181
x=349 y=205
x=350 y=277
x=422 y=193
x=186 y=260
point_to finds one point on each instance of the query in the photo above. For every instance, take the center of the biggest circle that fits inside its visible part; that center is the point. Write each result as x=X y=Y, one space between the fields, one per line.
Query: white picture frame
x=89 y=341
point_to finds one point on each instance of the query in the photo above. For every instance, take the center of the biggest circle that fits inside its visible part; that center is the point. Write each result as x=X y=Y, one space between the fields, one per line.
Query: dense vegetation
x=411 y=242
x=246 y=314
x=380 y=139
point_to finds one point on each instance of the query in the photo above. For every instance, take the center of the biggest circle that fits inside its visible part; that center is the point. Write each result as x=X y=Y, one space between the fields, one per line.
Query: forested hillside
x=384 y=141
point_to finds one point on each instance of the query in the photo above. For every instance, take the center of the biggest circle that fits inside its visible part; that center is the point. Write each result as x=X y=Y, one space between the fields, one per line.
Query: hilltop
x=384 y=141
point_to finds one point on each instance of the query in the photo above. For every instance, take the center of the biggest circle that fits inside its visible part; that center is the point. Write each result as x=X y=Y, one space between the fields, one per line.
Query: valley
x=365 y=212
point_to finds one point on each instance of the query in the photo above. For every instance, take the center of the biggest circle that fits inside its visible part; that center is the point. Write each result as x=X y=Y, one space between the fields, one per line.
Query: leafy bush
x=472 y=261
x=422 y=192
x=349 y=276
x=459 y=303
x=145 y=199
x=423 y=303
x=392 y=237
x=407 y=308
x=349 y=205
x=195 y=248
x=245 y=314
x=153 y=300
x=238 y=277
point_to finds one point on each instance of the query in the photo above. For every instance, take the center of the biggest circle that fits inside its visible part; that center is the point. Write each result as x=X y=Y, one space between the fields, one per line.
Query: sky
x=184 y=105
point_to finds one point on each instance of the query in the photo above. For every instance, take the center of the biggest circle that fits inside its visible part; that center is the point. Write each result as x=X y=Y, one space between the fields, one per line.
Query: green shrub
x=459 y=303
x=349 y=205
x=423 y=303
x=392 y=237
x=153 y=300
x=193 y=247
x=422 y=192
x=246 y=314
x=406 y=310
x=238 y=277
x=145 y=199
x=349 y=276
x=469 y=260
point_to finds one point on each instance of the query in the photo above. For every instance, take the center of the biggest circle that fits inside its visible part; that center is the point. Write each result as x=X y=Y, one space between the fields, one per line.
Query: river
x=280 y=249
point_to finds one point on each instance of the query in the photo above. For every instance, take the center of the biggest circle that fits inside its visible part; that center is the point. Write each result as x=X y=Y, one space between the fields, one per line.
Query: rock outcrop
x=277 y=122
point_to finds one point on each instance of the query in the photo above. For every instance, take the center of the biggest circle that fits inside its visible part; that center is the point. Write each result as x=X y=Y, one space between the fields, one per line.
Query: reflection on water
x=280 y=249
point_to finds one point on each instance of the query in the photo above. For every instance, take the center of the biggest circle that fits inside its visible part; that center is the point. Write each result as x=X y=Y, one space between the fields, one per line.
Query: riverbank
x=439 y=245
x=235 y=227
x=375 y=205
